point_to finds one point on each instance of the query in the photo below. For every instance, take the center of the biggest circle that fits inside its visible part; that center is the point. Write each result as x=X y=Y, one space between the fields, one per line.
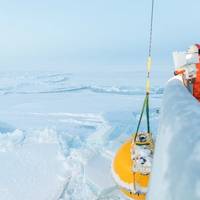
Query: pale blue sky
x=49 y=33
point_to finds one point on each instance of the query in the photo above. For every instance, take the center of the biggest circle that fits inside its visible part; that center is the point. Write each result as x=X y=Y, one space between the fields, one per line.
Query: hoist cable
x=146 y=99
x=149 y=64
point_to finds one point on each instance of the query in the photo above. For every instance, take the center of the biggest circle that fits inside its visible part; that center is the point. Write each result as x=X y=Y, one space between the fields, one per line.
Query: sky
x=39 y=34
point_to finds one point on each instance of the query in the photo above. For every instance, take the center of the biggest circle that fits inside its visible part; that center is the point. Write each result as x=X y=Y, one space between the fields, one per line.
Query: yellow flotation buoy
x=132 y=184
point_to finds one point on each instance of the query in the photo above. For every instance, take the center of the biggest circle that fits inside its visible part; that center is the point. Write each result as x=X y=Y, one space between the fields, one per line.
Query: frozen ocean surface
x=60 y=129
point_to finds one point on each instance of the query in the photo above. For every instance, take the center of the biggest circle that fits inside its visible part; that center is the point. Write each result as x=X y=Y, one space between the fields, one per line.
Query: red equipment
x=196 y=84
x=187 y=65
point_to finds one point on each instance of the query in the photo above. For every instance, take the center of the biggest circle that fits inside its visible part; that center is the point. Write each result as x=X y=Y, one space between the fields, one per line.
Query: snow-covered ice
x=59 y=131
x=176 y=161
x=30 y=169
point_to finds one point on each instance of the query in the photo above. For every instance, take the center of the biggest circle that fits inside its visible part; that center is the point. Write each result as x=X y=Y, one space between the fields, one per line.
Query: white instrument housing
x=183 y=59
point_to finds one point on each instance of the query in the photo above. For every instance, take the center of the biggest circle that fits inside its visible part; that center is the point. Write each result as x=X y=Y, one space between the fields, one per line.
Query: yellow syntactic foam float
x=124 y=177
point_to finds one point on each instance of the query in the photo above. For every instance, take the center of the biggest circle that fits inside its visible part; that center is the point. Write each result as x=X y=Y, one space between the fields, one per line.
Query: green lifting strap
x=141 y=114
x=149 y=63
x=144 y=107
x=147 y=114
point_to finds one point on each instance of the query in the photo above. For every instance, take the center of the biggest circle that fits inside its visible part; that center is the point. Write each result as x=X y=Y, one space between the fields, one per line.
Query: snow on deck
x=30 y=169
x=176 y=171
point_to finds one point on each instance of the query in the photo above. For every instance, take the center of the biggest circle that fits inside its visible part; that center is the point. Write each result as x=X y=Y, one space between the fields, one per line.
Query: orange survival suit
x=188 y=65
x=196 y=84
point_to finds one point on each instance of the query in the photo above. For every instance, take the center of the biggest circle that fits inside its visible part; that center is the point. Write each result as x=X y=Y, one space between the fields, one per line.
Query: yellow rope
x=149 y=64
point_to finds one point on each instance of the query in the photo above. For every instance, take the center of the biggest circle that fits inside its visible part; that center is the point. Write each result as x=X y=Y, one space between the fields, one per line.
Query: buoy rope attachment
x=149 y=65
x=146 y=99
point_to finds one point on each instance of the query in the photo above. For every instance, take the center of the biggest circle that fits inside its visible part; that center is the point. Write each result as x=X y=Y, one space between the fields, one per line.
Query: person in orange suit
x=196 y=84
x=189 y=69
